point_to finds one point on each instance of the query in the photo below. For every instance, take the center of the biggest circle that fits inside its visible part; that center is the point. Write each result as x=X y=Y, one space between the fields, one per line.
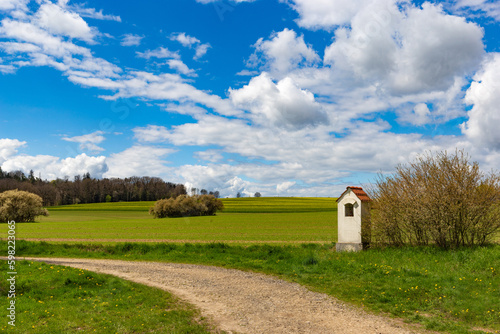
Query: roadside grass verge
x=455 y=291
x=57 y=299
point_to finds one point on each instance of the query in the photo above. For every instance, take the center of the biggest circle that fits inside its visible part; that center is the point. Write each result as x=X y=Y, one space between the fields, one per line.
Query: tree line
x=85 y=189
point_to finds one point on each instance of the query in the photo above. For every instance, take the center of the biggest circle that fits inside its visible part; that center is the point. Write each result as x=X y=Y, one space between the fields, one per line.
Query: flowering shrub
x=186 y=206
x=20 y=206
x=442 y=200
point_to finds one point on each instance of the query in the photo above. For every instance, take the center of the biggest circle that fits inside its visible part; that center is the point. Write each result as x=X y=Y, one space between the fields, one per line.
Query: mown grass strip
x=57 y=299
x=453 y=291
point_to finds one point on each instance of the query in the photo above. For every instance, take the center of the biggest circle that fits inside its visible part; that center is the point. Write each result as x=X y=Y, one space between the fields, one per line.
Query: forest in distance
x=85 y=189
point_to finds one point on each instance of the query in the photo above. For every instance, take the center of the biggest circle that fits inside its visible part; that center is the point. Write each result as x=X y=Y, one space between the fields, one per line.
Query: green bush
x=20 y=206
x=186 y=206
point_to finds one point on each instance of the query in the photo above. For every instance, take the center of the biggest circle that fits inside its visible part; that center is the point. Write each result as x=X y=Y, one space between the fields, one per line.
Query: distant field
x=281 y=220
x=231 y=205
x=117 y=206
x=279 y=205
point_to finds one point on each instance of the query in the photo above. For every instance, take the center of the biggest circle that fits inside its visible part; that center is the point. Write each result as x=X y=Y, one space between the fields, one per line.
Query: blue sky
x=283 y=97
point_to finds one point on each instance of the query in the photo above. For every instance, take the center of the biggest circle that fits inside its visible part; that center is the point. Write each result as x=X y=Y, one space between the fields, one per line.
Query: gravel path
x=244 y=302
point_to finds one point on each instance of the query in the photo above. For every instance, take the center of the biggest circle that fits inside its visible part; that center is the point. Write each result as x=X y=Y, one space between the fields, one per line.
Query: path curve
x=244 y=302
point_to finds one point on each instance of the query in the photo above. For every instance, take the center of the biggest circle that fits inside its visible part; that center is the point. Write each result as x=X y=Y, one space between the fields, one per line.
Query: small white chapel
x=354 y=229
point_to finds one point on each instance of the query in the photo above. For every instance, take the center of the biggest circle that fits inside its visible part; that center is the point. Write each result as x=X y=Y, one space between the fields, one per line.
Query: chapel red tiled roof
x=358 y=191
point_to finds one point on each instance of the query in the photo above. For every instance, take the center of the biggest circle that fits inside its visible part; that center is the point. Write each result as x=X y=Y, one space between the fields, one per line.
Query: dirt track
x=244 y=302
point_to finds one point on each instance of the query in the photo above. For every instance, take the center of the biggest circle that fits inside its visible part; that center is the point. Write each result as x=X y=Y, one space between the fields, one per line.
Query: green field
x=454 y=291
x=231 y=205
x=245 y=220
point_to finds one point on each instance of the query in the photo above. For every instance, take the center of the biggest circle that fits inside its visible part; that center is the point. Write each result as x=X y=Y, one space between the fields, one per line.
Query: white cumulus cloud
x=89 y=141
x=139 y=160
x=398 y=53
x=201 y=50
x=179 y=66
x=484 y=117
x=131 y=40
x=284 y=52
x=184 y=39
x=284 y=186
x=283 y=104
x=190 y=42
x=60 y=21
x=489 y=8
x=94 y=14
x=16 y=8
x=325 y=14
x=52 y=167
x=9 y=148
x=160 y=52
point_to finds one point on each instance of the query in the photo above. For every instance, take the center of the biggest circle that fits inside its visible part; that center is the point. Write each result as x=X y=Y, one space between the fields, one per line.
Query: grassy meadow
x=57 y=299
x=455 y=291
x=245 y=220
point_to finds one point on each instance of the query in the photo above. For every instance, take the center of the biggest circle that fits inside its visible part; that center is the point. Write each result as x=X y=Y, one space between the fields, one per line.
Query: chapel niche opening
x=349 y=210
